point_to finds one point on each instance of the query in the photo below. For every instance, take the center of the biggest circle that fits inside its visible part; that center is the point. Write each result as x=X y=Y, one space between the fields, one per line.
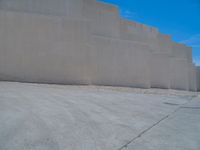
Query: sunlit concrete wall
x=179 y=74
x=43 y=47
x=182 y=60
x=160 y=58
x=87 y=42
x=67 y=8
x=160 y=78
x=192 y=77
x=120 y=62
x=198 y=78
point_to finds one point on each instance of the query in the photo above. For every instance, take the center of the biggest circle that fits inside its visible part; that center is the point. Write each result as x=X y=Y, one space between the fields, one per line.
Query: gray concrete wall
x=165 y=44
x=120 y=62
x=192 y=77
x=43 y=48
x=198 y=78
x=182 y=51
x=47 y=7
x=179 y=74
x=106 y=20
x=86 y=42
x=160 y=70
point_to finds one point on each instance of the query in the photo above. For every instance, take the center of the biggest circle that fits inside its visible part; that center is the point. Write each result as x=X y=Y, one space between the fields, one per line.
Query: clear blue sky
x=179 y=18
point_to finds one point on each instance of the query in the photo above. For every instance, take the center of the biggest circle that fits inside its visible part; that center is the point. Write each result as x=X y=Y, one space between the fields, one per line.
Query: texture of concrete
x=174 y=132
x=198 y=78
x=87 y=42
x=55 y=117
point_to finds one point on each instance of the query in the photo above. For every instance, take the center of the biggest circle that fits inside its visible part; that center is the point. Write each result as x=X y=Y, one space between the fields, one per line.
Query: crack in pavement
x=131 y=141
x=157 y=123
x=173 y=104
x=191 y=107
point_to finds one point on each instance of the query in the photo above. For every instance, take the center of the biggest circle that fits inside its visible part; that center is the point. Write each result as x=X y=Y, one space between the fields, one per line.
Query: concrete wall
x=182 y=51
x=179 y=74
x=120 y=62
x=198 y=78
x=165 y=44
x=192 y=77
x=86 y=42
x=47 y=7
x=43 y=48
x=106 y=20
x=160 y=70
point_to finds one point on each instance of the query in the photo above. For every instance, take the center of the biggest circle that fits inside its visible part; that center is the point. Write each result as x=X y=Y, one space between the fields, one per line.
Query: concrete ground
x=57 y=117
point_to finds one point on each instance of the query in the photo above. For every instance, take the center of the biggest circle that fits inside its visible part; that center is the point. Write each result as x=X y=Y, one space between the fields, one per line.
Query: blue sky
x=179 y=18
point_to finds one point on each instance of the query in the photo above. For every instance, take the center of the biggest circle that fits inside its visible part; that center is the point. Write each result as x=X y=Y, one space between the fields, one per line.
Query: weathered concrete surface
x=198 y=78
x=87 y=42
x=55 y=117
x=179 y=72
x=179 y=131
x=162 y=62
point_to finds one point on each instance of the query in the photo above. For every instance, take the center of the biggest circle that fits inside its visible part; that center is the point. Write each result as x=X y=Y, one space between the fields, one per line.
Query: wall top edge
x=124 y=21
x=176 y=44
x=107 y=6
x=114 y=8
x=165 y=36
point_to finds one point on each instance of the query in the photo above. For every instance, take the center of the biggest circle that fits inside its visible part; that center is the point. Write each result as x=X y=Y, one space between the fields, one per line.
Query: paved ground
x=55 y=117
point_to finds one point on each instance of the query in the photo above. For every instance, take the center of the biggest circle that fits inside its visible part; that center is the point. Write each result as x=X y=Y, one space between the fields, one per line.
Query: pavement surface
x=58 y=117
